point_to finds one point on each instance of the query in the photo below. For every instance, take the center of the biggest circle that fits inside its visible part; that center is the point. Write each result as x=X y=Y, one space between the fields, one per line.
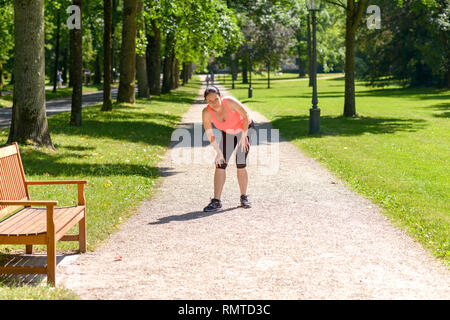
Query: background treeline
x=157 y=45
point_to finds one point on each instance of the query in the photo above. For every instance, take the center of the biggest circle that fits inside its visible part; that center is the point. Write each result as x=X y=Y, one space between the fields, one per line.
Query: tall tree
x=354 y=10
x=76 y=69
x=153 y=33
x=169 y=60
x=141 y=63
x=58 y=33
x=107 y=44
x=128 y=53
x=29 y=120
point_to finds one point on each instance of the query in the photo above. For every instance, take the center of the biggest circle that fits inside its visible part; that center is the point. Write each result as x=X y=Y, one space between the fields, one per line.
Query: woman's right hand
x=219 y=158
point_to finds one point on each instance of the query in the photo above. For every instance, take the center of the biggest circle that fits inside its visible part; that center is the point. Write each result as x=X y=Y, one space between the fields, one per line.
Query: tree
x=141 y=63
x=154 y=56
x=128 y=53
x=353 y=13
x=58 y=36
x=29 y=120
x=107 y=47
x=411 y=47
x=273 y=35
x=76 y=69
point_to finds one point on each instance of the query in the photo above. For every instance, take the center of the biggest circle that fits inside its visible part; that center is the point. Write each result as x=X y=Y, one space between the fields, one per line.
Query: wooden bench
x=30 y=226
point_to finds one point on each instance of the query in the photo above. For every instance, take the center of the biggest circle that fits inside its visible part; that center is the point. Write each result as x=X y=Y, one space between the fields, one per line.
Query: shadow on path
x=190 y=216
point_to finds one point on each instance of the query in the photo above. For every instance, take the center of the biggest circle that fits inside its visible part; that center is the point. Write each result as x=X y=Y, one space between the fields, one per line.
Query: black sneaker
x=244 y=201
x=214 y=205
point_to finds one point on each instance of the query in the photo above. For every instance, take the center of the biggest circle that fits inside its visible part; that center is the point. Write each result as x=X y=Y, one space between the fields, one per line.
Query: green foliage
x=412 y=45
x=6 y=30
x=201 y=28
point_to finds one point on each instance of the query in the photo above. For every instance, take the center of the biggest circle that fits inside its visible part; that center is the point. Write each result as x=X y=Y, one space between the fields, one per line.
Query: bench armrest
x=56 y=182
x=27 y=203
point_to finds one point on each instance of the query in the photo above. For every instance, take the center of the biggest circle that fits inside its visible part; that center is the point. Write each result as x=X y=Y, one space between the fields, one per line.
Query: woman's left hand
x=243 y=143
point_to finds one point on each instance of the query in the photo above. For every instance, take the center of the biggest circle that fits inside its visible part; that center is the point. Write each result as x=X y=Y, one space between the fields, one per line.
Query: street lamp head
x=313 y=5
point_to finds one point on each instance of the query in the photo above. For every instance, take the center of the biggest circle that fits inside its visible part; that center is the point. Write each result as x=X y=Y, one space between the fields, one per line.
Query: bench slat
x=69 y=225
x=33 y=221
x=17 y=220
x=39 y=239
x=12 y=179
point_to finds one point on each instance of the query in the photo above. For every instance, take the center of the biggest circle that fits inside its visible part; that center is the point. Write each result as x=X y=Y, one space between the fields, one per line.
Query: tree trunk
x=141 y=64
x=234 y=69
x=97 y=70
x=128 y=53
x=115 y=3
x=76 y=70
x=183 y=73
x=58 y=32
x=29 y=120
x=154 y=59
x=244 y=72
x=353 y=18
x=175 y=72
x=268 y=75
x=349 y=104
x=301 y=66
x=107 y=56
x=168 y=63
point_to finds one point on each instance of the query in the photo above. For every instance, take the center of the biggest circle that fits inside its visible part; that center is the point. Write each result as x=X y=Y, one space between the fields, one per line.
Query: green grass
x=117 y=152
x=396 y=152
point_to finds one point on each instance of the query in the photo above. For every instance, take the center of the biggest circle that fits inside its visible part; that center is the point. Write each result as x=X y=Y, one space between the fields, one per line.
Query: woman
x=230 y=117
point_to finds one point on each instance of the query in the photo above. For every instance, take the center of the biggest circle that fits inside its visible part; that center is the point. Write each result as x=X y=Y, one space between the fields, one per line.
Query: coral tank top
x=234 y=123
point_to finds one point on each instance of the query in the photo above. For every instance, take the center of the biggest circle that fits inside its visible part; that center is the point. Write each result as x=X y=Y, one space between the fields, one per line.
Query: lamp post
x=250 y=89
x=314 y=112
x=233 y=55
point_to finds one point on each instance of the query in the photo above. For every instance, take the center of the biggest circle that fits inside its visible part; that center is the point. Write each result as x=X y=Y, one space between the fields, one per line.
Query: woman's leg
x=219 y=181
x=242 y=177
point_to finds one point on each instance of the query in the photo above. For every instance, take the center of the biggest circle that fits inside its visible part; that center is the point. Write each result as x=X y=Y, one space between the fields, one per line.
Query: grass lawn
x=396 y=152
x=117 y=152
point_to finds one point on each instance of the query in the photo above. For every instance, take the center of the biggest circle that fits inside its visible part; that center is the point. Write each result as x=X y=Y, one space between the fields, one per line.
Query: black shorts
x=228 y=144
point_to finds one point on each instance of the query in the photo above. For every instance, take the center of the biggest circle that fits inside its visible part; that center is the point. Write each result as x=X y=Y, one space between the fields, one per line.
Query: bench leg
x=82 y=233
x=29 y=249
x=51 y=260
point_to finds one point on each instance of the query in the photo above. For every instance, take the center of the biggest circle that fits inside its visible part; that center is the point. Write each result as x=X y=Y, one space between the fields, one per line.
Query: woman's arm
x=206 y=119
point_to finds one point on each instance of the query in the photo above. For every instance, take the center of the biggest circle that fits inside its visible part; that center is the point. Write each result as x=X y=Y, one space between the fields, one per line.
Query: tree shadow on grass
x=295 y=127
x=129 y=126
x=444 y=107
x=416 y=93
x=56 y=165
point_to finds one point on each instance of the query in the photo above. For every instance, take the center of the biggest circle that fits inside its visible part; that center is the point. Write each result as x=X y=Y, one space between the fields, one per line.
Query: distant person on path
x=59 y=79
x=230 y=117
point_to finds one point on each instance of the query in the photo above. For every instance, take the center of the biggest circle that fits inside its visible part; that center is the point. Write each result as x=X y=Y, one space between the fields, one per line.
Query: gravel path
x=306 y=237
